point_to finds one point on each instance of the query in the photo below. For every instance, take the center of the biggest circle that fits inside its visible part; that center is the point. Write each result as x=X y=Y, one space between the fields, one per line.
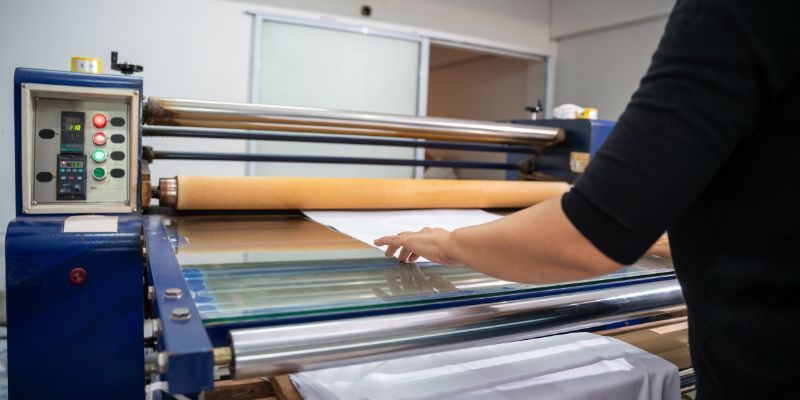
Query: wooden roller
x=279 y=193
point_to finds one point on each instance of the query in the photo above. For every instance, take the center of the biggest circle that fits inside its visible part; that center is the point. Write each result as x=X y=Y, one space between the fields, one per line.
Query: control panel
x=79 y=149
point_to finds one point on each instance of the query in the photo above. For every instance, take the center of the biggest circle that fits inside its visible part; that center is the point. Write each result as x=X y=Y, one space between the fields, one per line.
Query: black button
x=117 y=138
x=117 y=121
x=117 y=172
x=47 y=133
x=44 y=177
x=117 y=155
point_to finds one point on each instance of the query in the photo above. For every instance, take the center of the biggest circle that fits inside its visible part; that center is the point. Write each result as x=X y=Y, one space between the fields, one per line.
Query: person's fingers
x=381 y=241
x=393 y=240
x=390 y=251
x=413 y=258
x=405 y=252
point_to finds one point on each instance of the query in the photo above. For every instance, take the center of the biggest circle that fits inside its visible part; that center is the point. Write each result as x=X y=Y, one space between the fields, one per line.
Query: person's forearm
x=532 y=245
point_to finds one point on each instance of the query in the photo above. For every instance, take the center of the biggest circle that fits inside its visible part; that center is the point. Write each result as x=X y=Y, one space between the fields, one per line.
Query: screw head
x=180 y=314
x=173 y=293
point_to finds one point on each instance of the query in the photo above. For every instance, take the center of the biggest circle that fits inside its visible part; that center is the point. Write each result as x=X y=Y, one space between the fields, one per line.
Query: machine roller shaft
x=315 y=345
x=220 y=115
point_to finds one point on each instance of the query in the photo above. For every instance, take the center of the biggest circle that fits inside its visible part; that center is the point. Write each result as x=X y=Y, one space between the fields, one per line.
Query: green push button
x=99 y=155
x=99 y=173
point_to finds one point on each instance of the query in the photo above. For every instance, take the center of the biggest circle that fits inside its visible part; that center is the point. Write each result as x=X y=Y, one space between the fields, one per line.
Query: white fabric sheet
x=571 y=367
x=367 y=226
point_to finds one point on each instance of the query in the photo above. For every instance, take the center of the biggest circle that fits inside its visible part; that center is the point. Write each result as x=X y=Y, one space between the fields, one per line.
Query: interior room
x=396 y=199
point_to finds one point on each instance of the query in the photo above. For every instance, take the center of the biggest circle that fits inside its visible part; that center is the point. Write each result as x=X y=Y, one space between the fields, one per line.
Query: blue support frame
x=83 y=340
x=79 y=340
x=582 y=136
x=190 y=365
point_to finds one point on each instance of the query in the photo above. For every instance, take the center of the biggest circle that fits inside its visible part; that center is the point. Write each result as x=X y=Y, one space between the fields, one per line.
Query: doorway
x=478 y=84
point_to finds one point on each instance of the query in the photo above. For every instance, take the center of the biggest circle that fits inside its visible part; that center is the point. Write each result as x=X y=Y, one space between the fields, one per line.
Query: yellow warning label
x=578 y=161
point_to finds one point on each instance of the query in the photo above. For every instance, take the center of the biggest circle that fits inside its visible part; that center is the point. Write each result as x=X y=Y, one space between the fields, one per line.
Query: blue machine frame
x=190 y=363
x=63 y=337
x=583 y=136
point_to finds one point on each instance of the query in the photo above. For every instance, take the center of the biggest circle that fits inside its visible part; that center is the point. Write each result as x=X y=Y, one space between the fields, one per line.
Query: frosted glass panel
x=319 y=67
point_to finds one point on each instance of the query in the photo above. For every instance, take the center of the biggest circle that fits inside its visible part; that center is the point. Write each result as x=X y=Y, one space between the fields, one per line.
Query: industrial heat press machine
x=227 y=279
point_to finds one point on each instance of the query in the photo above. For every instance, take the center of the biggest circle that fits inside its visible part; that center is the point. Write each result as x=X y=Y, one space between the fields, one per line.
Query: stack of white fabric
x=571 y=366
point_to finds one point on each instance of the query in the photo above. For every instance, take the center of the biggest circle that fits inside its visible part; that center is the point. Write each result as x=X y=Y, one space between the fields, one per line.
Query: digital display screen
x=72 y=126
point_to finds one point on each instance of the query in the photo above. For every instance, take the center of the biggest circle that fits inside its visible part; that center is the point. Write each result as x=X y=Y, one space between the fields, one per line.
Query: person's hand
x=430 y=243
x=660 y=248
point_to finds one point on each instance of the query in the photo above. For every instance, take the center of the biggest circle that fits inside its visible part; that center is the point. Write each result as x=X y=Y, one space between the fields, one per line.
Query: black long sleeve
x=708 y=148
x=716 y=76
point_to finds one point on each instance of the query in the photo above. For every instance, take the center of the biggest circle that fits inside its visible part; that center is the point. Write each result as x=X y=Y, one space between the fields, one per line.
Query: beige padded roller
x=273 y=193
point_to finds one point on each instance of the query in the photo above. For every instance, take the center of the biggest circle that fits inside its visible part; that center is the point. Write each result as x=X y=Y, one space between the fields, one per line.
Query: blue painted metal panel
x=190 y=367
x=74 y=340
x=582 y=135
x=29 y=75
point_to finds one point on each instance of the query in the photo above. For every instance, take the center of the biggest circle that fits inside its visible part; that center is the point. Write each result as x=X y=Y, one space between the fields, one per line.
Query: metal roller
x=284 y=349
x=221 y=115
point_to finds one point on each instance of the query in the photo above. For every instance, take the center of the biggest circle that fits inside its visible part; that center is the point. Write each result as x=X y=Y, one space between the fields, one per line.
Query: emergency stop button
x=99 y=121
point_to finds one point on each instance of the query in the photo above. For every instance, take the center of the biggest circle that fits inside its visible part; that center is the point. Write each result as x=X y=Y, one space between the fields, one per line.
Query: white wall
x=201 y=49
x=519 y=24
x=604 y=49
x=571 y=17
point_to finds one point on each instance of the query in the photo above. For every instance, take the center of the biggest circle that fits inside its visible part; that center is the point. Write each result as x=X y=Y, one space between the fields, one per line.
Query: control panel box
x=79 y=149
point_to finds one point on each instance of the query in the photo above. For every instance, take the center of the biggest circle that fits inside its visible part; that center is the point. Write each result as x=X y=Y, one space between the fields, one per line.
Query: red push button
x=99 y=138
x=77 y=276
x=99 y=121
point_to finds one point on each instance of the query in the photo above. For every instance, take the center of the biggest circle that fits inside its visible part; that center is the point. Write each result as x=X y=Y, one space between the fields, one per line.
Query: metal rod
x=250 y=135
x=283 y=349
x=175 y=155
x=195 y=113
x=222 y=356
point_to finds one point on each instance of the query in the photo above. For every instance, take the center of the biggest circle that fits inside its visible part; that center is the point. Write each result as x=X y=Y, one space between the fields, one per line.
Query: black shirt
x=709 y=148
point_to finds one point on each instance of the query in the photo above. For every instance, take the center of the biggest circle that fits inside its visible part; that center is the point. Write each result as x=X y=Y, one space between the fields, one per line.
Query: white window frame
x=255 y=68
